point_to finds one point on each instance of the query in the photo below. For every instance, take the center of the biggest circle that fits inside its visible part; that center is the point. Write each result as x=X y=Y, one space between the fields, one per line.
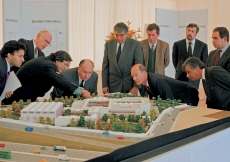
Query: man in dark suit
x=157 y=84
x=38 y=75
x=12 y=54
x=82 y=76
x=120 y=55
x=189 y=47
x=216 y=82
x=220 y=56
x=156 y=51
x=34 y=47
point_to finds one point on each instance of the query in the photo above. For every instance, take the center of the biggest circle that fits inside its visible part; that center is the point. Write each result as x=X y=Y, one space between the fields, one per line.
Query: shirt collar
x=8 y=66
x=150 y=45
x=224 y=49
x=193 y=41
x=203 y=73
x=34 y=45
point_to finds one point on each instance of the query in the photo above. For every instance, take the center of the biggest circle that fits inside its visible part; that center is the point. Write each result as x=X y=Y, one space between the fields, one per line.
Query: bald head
x=43 y=39
x=85 y=69
x=139 y=74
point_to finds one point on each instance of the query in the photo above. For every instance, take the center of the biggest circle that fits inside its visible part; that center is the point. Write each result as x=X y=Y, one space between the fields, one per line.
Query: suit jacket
x=179 y=55
x=224 y=61
x=217 y=88
x=162 y=55
x=3 y=73
x=29 y=52
x=116 y=75
x=37 y=76
x=168 y=87
x=72 y=76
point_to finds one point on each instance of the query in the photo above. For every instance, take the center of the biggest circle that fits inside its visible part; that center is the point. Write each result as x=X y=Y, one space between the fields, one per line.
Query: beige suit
x=162 y=55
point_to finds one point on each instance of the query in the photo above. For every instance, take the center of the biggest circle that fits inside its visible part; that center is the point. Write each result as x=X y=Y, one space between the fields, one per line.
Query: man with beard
x=189 y=47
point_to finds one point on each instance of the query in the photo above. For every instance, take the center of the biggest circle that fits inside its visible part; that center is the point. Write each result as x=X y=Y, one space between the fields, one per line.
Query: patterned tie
x=35 y=52
x=118 y=52
x=81 y=85
x=148 y=90
x=153 y=48
x=217 y=57
x=189 y=49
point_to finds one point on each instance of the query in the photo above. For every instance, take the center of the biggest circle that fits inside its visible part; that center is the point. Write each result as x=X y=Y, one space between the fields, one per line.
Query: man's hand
x=8 y=94
x=86 y=94
x=134 y=90
x=105 y=90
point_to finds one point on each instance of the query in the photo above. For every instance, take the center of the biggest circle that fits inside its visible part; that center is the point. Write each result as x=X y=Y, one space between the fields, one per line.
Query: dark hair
x=83 y=61
x=60 y=56
x=223 y=32
x=12 y=46
x=193 y=62
x=121 y=27
x=192 y=25
x=153 y=26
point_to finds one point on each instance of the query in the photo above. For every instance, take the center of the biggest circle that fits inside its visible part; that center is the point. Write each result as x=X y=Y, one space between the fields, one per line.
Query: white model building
x=125 y=105
x=34 y=110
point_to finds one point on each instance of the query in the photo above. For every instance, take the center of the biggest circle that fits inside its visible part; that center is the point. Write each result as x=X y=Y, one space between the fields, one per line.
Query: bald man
x=82 y=76
x=153 y=84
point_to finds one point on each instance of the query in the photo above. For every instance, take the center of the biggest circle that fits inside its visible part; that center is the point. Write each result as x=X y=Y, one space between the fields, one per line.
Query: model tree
x=41 y=120
x=67 y=112
x=45 y=100
x=143 y=113
x=122 y=117
x=92 y=125
x=153 y=115
x=112 y=119
x=14 y=105
x=48 y=121
x=28 y=101
x=85 y=112
x=93 y=95
x=137 y=118
x=130 y=118
x=98 y=125
x=81 y=121
x=105 y=117
x=21 y=104
x=108 y=126
x=142 y=122
x=116 y=127
x=73 y=122
x=2 y=113
x=146 y=120
x=8 y=113
x=139 y=128
x=17 y=110
x=50 y=99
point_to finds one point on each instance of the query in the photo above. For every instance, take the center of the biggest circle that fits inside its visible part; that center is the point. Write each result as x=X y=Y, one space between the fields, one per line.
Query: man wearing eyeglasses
x=34 y=47
x=82 y=76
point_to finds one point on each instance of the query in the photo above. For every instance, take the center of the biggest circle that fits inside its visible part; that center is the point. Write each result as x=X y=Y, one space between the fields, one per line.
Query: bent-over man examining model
x=156 y=84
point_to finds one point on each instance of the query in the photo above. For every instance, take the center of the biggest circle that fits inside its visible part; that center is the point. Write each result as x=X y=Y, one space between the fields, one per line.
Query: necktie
x=148 y=90
x=217 y=57
x=118 y=52
x=81 y=85
x=152 y=49
x=35 y=52
x=189 y=49
x=7 y=75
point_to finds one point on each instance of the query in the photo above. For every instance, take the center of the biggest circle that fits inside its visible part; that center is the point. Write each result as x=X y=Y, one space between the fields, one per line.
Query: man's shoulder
x=200 y=42
x=179 y=42
x=144 y=41
x=25 y=41
x=162 y=42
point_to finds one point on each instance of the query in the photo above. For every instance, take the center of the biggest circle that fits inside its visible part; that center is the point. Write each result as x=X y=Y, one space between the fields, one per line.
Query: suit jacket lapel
x=31 y=50
x=223 y=57
x=114 y=54
x=196 y=49
x=158 y=51
x=184 y=49
x=75 y=77
x=146 y=52
x=206 y=84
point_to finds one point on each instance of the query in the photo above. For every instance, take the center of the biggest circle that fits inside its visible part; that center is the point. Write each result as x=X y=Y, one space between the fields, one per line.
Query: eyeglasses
x=46 y=41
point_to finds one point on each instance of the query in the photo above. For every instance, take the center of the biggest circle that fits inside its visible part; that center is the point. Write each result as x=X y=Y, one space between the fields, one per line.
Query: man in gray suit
x=82 y=76
x=189 y=47
x=220 y=56
x=120 y=55
x=156 y=51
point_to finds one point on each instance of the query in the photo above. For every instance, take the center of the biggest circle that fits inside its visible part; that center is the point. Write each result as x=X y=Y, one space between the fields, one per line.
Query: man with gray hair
x=34 y=47
x=189 y=47
x=82 y=76
x=120 y=55
x=216 y=82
